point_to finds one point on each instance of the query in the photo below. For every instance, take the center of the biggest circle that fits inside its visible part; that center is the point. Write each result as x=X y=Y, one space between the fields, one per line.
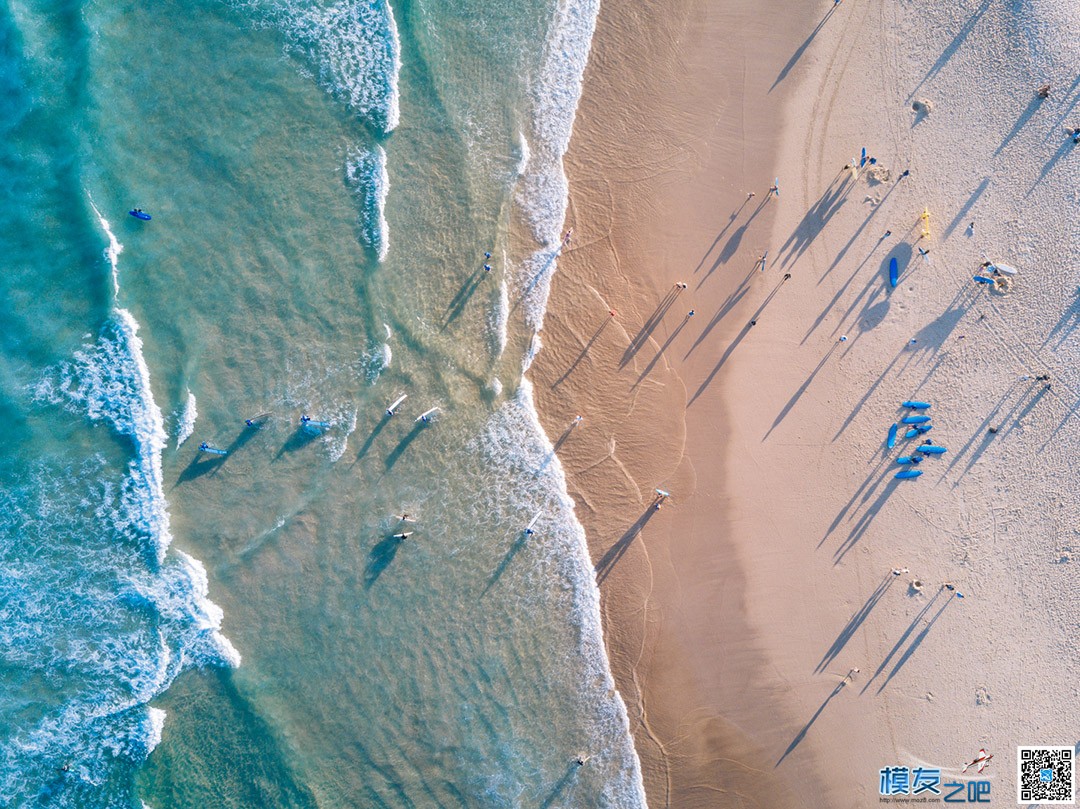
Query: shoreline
x=624 y=374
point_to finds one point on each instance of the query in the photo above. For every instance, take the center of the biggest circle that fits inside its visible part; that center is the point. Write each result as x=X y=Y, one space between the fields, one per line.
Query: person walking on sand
x=566 y=237
x=775 y=187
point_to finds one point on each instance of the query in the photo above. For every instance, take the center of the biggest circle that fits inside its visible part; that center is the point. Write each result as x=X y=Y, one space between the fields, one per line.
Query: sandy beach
x=736 y=616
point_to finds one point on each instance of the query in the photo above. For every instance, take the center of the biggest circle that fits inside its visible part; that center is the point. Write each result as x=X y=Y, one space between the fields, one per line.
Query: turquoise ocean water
x=180 y=629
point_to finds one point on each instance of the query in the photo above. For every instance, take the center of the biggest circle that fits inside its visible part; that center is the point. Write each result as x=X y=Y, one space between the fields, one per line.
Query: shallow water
x=324 y=181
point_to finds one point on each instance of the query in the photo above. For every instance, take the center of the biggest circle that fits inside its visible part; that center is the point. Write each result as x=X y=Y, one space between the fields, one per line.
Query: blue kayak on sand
x=915 y=419
x=915 y=405
x=930 y=449
x=909 y=459
x=907 y=474
x=919 y=430
x=894 y=272
x=892 y=436
x=139 y=213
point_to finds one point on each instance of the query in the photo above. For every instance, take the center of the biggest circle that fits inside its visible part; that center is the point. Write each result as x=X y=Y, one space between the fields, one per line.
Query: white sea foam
x=366 y=176
x=120 y=622
x=523 y=154
x=498 y=318
x=376 y=360
x=352 y=46
x=515 y=427
x=544 y=190
x=514 y=441
x=185 y=422
x=113 y=251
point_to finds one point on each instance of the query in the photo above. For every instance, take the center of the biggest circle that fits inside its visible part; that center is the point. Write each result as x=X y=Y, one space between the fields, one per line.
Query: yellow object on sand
x=926 y=223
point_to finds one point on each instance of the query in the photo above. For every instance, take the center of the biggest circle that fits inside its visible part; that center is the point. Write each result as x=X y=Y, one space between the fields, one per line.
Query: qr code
x=1045 y=775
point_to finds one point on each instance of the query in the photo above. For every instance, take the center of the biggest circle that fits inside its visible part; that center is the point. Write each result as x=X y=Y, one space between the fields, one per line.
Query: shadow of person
x=616 y=552
x=379 y=558
x=519 y=543
x=802 y=733
x=299 y=439
x=403 y=444
x=378 y=428
x=560 y=785
x=201 y=465
x=242 y=438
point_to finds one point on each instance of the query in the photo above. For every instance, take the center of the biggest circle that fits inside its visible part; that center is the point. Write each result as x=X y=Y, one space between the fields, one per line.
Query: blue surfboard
x=907 y=474
x=919 y=430
x=982 y=279
x=915 y=404
x=892 y=436
x=930 y=449
x=862 y=159
x=143 y=215
x=894 y=272
x=909 y=459
x=915 y=419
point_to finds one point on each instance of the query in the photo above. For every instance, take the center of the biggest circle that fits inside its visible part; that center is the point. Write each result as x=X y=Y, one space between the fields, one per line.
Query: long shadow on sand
x=554 y=450
x=732 y=301
x=1025 y=116
x=802 y=733
x=951 y=48
x=854 y=623
x=915 y=643
x=731 y=221
x=649 y=326
x=731 y=247
x=581 y=356
x=616 y=552
x=795 y=57
x=798 y=393
x=735 y=343
x=815 y=219
x=660 y=352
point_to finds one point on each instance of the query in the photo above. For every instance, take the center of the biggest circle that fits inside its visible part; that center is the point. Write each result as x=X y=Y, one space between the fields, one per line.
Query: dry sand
x=733 y=614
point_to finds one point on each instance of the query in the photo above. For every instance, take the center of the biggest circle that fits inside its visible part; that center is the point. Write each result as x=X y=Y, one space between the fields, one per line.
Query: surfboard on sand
x=930 y=449
x=919 y=430
x=894 y=272
x=891 y=441
x=907 y=474
x=914 y=404
x=915 y=419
